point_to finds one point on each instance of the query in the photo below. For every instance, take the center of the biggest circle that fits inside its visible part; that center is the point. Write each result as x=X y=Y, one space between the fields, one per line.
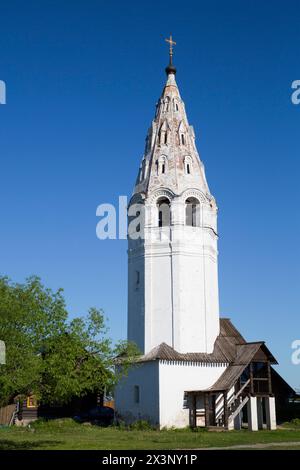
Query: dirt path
x=255 y=446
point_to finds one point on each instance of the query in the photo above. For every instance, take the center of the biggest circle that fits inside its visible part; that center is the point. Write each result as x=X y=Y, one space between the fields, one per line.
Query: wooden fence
x=6 y=414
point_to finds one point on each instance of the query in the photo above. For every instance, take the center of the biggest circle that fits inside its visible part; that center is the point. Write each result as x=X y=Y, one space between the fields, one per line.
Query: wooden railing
x=234 y=405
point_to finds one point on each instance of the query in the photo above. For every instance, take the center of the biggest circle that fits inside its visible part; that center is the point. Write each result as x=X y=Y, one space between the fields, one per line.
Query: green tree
x=48 y=355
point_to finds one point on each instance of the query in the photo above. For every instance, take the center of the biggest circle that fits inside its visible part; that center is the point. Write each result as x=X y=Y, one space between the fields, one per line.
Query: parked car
x=100 y=415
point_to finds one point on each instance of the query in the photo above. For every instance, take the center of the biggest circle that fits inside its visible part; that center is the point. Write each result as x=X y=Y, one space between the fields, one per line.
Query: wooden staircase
x=235 y=405
x=237 y=408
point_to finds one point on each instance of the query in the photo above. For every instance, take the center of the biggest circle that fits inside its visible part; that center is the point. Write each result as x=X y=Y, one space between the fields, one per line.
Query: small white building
x=195 y=369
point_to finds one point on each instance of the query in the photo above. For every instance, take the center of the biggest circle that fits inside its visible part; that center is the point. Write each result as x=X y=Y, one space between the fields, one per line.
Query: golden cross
x=172 y=43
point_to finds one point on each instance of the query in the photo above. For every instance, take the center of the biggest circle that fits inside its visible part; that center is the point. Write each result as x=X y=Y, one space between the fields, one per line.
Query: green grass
x=66 y=434
x=294 y=424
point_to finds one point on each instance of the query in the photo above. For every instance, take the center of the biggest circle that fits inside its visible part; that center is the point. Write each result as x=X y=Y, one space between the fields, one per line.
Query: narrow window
x=136 y=394
x=188 y=168
x=160 y=137
x=182 y=139
x=162 y=165
x=192 y=212
x=163 y=207
x=167 y=102
x=166 y=138
x=176 y=107
x=194 y=215
x=160 y=218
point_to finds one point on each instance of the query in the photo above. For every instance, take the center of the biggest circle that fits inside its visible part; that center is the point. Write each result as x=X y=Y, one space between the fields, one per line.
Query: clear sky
x=82 y=81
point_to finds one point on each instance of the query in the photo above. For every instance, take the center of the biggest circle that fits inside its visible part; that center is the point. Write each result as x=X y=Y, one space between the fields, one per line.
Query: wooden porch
x=224 y=404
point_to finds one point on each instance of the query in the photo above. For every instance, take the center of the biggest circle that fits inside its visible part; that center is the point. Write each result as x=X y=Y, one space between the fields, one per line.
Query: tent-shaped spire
x=171 y=159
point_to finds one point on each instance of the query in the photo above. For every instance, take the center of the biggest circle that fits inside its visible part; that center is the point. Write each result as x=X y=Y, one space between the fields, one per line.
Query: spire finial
x=170 y=68
x=171 y=43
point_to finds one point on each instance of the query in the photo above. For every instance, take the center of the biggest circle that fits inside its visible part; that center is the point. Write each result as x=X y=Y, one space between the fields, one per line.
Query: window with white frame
x=188 y=165
x=164 y=133
x=163 y=212
x=162 y=165
x=166 y=104
x=175 y=105
x=192 y=212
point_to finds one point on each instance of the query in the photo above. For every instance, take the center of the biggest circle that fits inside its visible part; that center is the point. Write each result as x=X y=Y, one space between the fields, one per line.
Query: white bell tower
x=192 y=363
x=172 y=264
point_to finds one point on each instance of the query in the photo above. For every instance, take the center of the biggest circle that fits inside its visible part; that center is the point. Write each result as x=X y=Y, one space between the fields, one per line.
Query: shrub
x=59 y=424
x=141 y=425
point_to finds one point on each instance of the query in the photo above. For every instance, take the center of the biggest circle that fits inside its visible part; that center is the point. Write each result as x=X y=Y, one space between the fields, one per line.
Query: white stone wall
x=174 y=380
x=146 y=377
x=136 y=300
x=177 y=300
x=162 y=386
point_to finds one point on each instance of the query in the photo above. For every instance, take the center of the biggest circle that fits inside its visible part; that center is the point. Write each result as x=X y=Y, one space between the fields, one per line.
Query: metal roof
x=245 y=354
x=227 y=379
x=230 y=348
x=225 y=348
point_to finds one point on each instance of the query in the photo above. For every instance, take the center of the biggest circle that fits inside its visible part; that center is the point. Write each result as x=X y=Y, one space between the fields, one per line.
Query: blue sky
x=82 y=81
